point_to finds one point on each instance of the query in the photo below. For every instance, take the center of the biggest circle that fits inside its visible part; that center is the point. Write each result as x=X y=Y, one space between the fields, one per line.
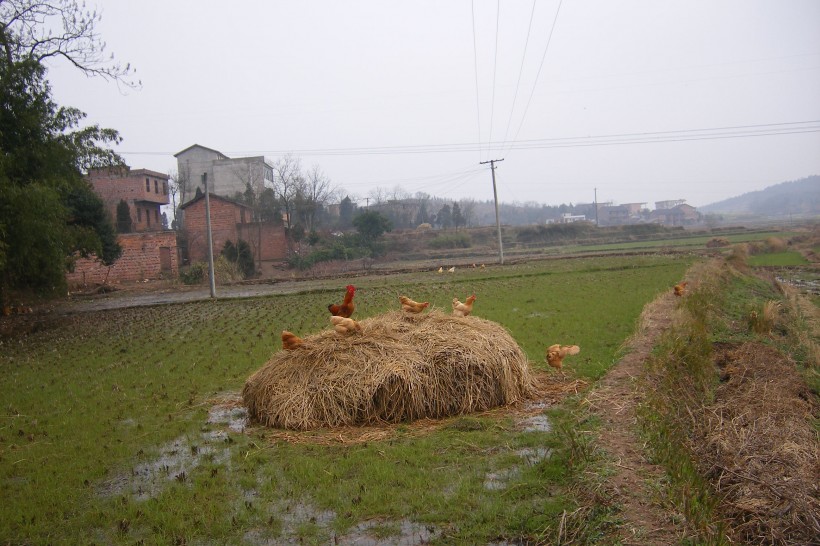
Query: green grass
x=91 y=406
x=780 y=259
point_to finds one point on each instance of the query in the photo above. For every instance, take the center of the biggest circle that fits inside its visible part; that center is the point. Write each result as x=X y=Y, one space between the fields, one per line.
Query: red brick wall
x=140 y=260
x=227 y=225
x=273 y=241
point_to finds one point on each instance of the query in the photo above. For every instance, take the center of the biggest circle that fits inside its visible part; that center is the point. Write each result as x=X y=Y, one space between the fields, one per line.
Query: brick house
x=149 y=251
x=144 y=191
x=680 y=215
x=230 y=221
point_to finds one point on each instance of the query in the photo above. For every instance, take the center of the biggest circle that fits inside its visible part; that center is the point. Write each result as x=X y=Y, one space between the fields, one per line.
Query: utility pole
x=492 y=163
x=210 y=237
x=596 y=207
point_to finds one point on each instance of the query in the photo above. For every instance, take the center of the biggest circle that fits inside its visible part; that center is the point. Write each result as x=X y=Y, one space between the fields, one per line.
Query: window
x=164 y=188
x=156 y=186
x=242 y=216
x=139 y=214
x=147 y=185
x=148 y=216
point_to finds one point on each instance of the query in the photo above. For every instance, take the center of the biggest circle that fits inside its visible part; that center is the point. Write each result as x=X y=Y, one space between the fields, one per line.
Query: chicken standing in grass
x=290 y=341
x=463 y=309
x=410 y=306
x=680 y=289
x=347 y=307
x=345 y=326
x=556 y=354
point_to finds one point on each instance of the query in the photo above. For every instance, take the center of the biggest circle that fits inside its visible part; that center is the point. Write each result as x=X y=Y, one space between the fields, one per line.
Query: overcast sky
x=643 y=100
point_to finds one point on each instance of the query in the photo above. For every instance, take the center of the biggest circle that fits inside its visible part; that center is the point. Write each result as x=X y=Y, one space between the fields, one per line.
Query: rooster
x=344 y=325
x=411 y=306
x=680 y=289
x=556 y=354
x=441 y=270
x=463 y=309
x=452 y=269
x=290 y=341
x=347 y=307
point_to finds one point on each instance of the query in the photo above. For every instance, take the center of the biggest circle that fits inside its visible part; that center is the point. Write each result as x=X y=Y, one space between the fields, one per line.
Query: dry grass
x=400 y=368
x=760 y=448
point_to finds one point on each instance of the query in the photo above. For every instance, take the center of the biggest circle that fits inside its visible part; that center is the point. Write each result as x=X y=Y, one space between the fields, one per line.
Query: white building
x=226 y=176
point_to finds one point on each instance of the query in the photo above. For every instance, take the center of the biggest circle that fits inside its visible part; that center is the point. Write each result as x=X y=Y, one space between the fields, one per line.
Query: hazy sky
x=644 y=100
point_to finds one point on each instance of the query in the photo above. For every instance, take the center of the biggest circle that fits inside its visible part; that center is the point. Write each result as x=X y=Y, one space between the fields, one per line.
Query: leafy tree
x=124 y=221
x=269 y=207
x=371 y=226
x=346 y=210
x=458 y=218
x=48 y=212
x=241 y=255
x=444 y=218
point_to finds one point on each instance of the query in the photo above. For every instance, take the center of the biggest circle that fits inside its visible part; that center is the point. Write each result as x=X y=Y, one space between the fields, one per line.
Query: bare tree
x=315 y=193
x=377 y=196
x=467 y=211
x=287 y=178
x=38 y=30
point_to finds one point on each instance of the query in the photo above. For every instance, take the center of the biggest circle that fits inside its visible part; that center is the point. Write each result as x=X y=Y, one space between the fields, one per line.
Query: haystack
x=400 y=368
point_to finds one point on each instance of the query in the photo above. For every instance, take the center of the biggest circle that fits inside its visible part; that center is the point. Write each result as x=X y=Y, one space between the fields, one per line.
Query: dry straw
x=400 y=368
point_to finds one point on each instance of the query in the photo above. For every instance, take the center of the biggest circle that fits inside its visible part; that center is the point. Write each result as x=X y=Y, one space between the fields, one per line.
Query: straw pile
x=400 y=368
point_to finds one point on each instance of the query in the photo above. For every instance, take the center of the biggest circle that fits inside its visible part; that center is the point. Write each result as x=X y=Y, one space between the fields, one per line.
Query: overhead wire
x=495 y=69
x=711 y=133
x=475 y=66
x=520 y=72
x=538 y=74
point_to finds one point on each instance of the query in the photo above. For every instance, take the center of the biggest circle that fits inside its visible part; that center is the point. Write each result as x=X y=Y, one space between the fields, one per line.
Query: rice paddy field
x=125 y=426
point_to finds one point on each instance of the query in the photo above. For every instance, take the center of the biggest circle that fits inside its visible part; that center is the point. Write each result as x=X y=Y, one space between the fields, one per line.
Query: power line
x=680 y=135
x=495 y=68
x=475 y=66
x=540 y=66
x=520 y=72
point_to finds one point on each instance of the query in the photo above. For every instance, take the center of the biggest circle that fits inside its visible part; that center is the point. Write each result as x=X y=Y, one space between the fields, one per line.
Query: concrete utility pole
x=596 y=207
x=210 y=237
x=492 y=163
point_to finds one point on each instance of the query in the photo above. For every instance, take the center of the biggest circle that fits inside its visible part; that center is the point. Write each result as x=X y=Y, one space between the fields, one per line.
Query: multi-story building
x=149 y=251
x=226 y=176
x=144 y=191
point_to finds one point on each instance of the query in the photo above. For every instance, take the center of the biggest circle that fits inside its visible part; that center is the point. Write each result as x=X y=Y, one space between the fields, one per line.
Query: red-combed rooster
x=347 y=307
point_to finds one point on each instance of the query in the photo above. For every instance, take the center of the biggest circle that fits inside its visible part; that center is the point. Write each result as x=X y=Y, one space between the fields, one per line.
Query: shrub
x=455 y=240
x=739 y=256
x=195 y=273
x=717 y=242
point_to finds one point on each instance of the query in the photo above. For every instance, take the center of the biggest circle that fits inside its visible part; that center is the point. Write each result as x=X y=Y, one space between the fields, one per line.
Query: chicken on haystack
x=463 y=309
x=290 y=341
x=411 y=306
x=344 y=325
x=347 y=306
x=556 y=354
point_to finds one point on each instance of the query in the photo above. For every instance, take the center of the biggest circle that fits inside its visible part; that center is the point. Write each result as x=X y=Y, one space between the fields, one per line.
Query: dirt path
x=647 y=521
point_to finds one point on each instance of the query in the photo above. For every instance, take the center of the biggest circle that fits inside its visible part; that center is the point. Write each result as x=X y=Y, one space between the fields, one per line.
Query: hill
x=798 y=197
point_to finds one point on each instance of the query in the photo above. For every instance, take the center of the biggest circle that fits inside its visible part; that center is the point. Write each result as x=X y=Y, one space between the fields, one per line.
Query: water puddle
x=389 y=533
x=178 y=458
x=537 y=423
